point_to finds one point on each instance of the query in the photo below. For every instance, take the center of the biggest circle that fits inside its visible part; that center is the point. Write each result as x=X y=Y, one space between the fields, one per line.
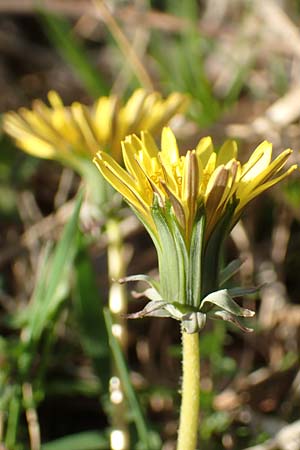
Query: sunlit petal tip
x=264 y=145
x=127 y=145
x=55 y=99
x=204 y=150
x=169 y=146
x=292 y=169
x=204 y=142
x=76 y=105
x=167 y=137
x=128 y=138
x=136 y=142
x=227 y=152
x=145 y=135
x=286 y=154
x=98 y=156
x=263 y=148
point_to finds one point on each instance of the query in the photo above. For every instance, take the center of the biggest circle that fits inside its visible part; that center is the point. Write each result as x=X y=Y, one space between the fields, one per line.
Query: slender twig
x=64 y=186
x=124 y=44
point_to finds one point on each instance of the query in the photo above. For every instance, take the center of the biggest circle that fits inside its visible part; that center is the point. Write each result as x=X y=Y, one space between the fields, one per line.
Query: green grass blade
x=88 y=440
x=237 y=85
x=13 y=419
x=56 y=285
x=72 y=50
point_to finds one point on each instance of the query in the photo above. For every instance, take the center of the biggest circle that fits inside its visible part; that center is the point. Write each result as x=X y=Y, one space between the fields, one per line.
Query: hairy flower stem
x=190 y=402
x=118 y=306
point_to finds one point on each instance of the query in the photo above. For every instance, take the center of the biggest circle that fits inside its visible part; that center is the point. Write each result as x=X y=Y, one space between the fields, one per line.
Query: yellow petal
x=204 y=150
x=216 y=188
x=217 y=180
x=14 y=125
x=259 y=160
x=163 y=110
x=55 y=100
x=227 y=152
x=122 y=182
x=59 y=123
x=244 y=200
x=190 y=188
x=82 y=118
x=133 y=106
x=245 y=187
x=234 y=168
x=169 y=148
x=149 y=144
x=275 y=166
x=37 y=147
x=36 y=123
x=104 y=111
x=210 y=167
x=130 y=160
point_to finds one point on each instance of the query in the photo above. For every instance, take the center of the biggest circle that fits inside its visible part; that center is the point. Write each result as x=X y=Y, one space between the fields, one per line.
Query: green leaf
x=60 y=34
x=88 y=440
x=241 y=291
x=238 y=82
x=231 y=269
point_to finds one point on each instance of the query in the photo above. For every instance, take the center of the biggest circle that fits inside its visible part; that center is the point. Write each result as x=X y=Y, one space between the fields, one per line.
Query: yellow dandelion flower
x=189 y=204
x=65 y=133
x=203 y=177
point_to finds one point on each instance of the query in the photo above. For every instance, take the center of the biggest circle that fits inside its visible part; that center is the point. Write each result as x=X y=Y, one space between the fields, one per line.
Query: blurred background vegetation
x=239 y=61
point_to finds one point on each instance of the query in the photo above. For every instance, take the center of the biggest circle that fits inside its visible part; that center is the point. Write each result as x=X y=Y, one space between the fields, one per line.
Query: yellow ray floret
x=66 y=132
x=202 y=177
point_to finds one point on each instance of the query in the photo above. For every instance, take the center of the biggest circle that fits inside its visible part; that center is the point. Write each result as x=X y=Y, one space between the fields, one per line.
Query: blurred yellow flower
x=203 y=178
x=65 y=133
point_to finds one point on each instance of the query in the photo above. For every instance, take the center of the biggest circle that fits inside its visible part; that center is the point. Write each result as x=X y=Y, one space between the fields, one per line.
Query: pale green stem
x=32 y=417
x=118 y=307
x=190 y=402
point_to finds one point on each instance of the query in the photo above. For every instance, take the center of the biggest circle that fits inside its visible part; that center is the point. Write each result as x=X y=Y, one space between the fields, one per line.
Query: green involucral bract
x=188 y=204
x=188 y=290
